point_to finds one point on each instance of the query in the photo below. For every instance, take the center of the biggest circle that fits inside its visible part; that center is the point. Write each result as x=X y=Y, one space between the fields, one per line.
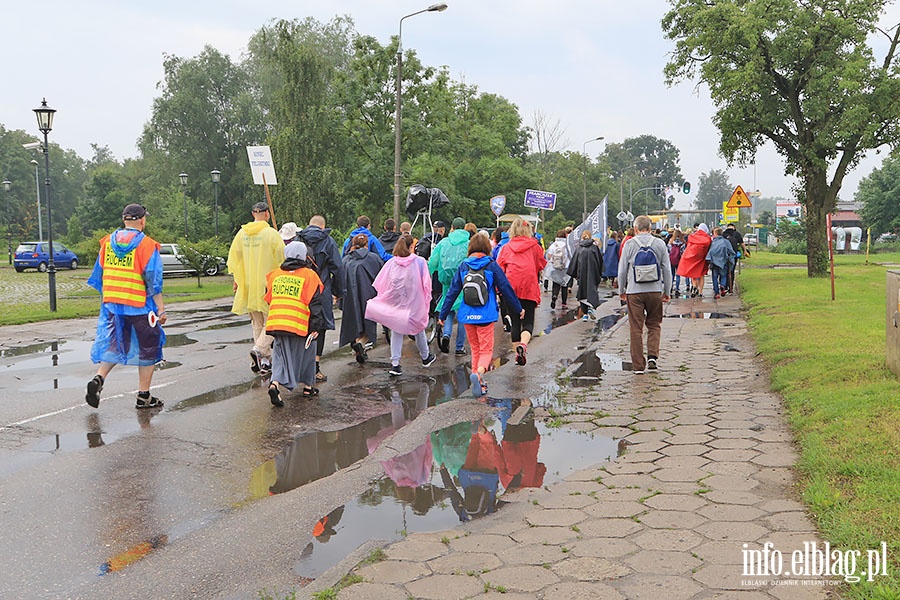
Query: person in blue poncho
x=129 y=276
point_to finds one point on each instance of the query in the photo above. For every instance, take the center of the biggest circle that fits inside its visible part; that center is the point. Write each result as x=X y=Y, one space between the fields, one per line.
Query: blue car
x=35 y=255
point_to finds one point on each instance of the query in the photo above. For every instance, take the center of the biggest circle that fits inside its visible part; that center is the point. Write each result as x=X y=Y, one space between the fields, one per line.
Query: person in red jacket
x=693 y=263
x=522 y=259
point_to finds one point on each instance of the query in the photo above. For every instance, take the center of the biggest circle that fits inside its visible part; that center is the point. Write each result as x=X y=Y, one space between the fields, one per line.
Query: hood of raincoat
x=312 y=234
x=478 y=262
x=254 y=227
x=586 y=243
x=123 y=241
x=521 y=243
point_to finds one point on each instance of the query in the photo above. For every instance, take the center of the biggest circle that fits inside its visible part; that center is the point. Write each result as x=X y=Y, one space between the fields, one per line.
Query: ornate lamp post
x=183 y=177
x=6 y=185
x=584 y=174
x=433 y=8
x=216 y=175
x=45 y=124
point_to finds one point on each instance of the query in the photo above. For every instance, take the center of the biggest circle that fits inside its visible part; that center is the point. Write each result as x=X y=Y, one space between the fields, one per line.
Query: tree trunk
x=818 y=205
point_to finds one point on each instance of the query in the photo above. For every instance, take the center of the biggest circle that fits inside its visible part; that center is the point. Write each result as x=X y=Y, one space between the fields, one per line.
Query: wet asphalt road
x=110 y=503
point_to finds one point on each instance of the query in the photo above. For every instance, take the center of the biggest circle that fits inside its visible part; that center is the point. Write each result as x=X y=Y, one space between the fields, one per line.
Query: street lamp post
x=216 y=175
x=6 y=185
x=37 y=195
x=45 y=124
x=433 y=8
x=584 y=174
x=183 y=177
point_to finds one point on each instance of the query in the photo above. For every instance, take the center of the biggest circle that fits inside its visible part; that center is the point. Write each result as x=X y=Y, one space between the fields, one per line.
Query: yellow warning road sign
x=729 y=215
x=738 y=199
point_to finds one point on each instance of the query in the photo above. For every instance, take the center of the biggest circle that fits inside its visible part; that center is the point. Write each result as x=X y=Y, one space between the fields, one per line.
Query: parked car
x=36 y=255
x=751 y=239
x=171 y=259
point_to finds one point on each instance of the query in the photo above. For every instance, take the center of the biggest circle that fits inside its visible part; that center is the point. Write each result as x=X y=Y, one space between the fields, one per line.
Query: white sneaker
x=651 y=364
x=641 y=372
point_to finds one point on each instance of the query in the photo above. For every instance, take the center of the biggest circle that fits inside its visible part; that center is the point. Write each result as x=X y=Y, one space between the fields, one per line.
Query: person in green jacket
x=445 y=259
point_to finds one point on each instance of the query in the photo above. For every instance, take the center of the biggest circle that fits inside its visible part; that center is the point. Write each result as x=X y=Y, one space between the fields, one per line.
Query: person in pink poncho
x=404 y=291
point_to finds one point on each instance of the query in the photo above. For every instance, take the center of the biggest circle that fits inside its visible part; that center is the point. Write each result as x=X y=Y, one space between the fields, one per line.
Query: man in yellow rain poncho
x=257 y=249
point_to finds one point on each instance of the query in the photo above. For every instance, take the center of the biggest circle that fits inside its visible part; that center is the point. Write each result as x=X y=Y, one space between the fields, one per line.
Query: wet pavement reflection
x=459 y=473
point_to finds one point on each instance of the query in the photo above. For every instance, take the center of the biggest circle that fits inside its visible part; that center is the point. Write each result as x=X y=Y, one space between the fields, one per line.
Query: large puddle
x=457 y=474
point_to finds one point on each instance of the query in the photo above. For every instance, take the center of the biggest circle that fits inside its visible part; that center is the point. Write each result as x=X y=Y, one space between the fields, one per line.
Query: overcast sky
x=596 y=67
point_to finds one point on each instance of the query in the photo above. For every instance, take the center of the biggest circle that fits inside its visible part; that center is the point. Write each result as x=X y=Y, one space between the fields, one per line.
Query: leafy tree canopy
x=799 y=73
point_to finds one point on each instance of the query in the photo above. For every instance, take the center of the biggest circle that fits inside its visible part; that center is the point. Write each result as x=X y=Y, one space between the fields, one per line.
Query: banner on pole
x=596 y=223
x=260 y=164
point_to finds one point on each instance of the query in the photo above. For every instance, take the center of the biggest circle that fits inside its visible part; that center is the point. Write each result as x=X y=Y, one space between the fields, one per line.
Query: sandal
x=321 y=377
x=310 y=391
x=275 y=395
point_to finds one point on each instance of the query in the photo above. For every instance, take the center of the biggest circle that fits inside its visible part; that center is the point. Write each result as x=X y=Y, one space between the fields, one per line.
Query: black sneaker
x=94 y=387
x=553 y=304
x=426 y=362
x=361 y=355
x=462 y=352
x=507 y=323
x=255 y=360
x=397 y=371
x=651 y=363
x=444 y=344
x=265 y=369
x=275 y=396
x=148 y=402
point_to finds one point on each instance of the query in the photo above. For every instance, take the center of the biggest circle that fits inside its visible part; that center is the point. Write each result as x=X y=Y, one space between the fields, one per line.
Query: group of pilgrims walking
x=289 y=282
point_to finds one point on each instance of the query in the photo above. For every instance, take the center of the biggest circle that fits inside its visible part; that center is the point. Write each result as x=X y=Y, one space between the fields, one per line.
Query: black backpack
x=475 y=287
x=423 y=247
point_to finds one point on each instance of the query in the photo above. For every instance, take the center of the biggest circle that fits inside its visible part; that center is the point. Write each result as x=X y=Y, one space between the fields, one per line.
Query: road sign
x=261 y=165
x=730 y=215
x=539 y=199
x=498 y=203
x=738 y=199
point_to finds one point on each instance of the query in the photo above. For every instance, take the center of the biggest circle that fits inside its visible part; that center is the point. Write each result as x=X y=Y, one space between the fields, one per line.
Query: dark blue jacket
x=496 y=279
x=374 y=245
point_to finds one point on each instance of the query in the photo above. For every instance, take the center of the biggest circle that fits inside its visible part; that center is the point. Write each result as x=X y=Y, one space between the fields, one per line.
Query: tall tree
x=713 y=189
x=799 y=73
x=206 y=115
x=878 y=192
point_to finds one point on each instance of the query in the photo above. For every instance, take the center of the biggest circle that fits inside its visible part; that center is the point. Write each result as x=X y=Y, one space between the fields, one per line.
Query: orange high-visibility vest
x=123 y=278
x=289 y=294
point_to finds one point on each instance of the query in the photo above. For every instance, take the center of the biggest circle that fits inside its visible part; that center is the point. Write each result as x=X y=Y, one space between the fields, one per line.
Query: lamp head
x=34 y=162
x=216 y=175
x=6 y=184
x=44 y=117
x=437 y=7
x=183 y=177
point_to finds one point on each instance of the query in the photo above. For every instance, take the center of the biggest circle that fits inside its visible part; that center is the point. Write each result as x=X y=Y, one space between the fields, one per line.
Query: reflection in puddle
x=701 y=315
x=457 y=474
x=49 y=354
x=217 y=395
x=132 y=555
x=593 y=365
x=179 y=339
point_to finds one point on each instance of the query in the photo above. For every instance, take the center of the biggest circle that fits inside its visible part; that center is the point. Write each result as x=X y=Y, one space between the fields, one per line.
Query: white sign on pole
x=261 y=165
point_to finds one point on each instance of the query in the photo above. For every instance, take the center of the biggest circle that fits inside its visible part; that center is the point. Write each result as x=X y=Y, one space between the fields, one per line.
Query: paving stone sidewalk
x=707 y=468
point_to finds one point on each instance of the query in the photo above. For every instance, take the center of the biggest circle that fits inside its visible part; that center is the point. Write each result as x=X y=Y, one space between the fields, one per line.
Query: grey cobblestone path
x=707 y=469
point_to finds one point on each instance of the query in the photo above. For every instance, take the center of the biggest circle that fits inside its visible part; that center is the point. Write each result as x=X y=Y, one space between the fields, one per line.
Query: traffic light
x=657 y=189
x=686 y=187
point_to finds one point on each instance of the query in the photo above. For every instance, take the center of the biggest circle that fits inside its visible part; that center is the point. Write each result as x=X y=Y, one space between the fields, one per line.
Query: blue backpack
x=646 y=266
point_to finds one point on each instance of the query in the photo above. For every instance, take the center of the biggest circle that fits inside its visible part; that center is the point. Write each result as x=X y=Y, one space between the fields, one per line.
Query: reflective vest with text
x=289 y=294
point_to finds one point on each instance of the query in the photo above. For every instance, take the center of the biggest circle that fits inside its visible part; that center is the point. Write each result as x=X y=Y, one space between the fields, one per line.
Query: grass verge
x=75 y=299
x=827 y=360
